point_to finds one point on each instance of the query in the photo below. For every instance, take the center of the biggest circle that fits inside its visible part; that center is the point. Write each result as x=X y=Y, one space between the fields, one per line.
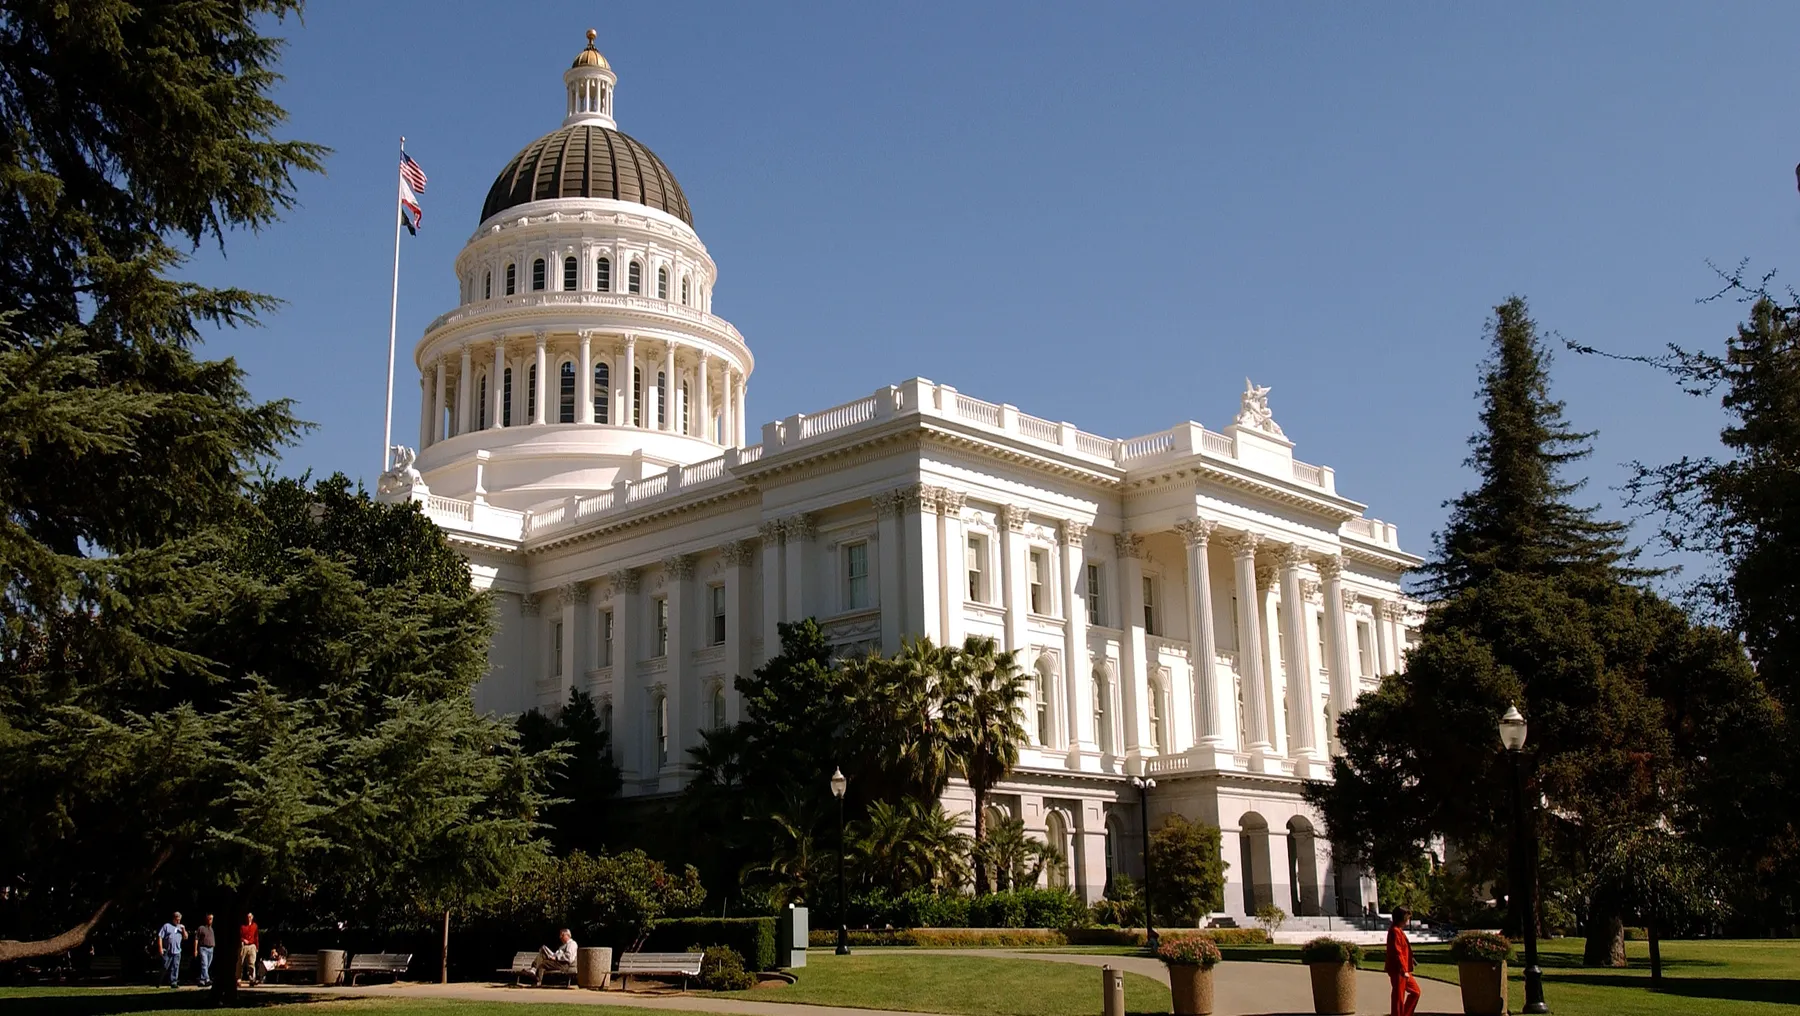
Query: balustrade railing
x=1039 y=429
x=977 y=410
x=1217 y=444
x=439 y=504
x=1310 y=474
x=1149 y=444
x=1094 y=444
x=838 y=418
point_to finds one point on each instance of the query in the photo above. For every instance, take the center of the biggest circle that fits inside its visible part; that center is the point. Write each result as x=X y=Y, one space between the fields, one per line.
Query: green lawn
x=965 y=985
x=192 y=1002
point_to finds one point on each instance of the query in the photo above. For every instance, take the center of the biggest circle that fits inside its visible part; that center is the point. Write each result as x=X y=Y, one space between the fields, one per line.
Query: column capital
x=630 y=341
x=586 y=334
x=1128 y=544
x=1243 y=544
x=1292 y=556
x=1073 y=532
x=1349 y=597
x=891 y=502
x=1014 y=517
x=679 y=566
x=573 y=593
x=739 y=552
x=1309 y=590
x=1265 y=577
x=1196 y=531
x=770 y=532
x=950 y=502
x=1392 y=610
x=542 y=337
x=528 y=604
x=801 y=526
x=1331 y=566
x=625 y=580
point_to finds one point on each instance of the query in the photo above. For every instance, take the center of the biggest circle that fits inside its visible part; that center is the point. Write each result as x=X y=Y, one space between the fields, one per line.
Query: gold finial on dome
x=590 y=57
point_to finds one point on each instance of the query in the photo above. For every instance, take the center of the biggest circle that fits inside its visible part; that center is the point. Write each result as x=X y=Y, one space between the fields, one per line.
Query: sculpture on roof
x=404 y=478
x=1254 y=412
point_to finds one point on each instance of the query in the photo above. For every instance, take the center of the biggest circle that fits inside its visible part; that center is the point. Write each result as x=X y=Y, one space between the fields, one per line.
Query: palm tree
x=942 y=843
x=901 y=734
x=793 y=855
x=983 y=693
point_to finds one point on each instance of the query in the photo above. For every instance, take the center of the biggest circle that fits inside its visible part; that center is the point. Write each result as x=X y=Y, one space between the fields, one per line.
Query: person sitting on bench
x=560 y=960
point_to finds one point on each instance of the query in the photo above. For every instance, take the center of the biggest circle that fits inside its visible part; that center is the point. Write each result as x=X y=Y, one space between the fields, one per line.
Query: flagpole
x=387 y=417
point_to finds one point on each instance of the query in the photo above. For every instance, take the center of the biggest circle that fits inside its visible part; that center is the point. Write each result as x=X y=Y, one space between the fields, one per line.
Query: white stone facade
x=1194 y=605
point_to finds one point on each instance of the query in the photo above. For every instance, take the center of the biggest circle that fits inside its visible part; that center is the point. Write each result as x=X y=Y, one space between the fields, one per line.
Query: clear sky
x=1103 y=213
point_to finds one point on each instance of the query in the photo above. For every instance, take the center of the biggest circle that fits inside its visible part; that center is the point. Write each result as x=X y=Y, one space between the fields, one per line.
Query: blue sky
x=1107 y=214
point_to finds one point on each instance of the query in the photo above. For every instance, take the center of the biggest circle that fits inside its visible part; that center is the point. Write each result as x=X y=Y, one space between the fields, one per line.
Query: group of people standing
x=173 y=938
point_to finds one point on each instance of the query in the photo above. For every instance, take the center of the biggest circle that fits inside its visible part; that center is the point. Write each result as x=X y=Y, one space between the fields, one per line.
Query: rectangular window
x=717 y=594
x=603 y=275
x=537 y=274
x=1093 y=593
x=556 y=649
x=662 y=626
x=1364 y=664
x=1040 y=570
x=975 y=559
x=634 y=278
x=662 y=730
x=606 y=638
x=1320 y=660
x=512 y=279
x=1150 y=606
x=856 y=576
x=569 y=284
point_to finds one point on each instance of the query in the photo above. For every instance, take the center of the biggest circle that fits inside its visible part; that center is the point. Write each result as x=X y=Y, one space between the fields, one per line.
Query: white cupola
x=590 y=81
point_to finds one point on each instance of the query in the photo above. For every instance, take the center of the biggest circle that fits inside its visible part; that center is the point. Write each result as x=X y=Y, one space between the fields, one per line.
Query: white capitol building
x=1194 y=605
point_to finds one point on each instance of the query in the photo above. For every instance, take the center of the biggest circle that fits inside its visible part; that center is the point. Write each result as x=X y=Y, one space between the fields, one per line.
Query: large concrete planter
x=1483 y=987
x=1334 y=988
x=593 y=966
x=1192 y=986
x=331 y=965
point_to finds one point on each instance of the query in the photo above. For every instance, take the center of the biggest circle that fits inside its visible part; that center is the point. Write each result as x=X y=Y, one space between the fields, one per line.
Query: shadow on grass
x=116 y=1002
x=1735 y=989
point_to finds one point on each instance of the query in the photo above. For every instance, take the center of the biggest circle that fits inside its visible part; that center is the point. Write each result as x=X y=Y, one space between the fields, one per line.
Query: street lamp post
x=1143 y=785
x=838 y=785
x=1524 y=851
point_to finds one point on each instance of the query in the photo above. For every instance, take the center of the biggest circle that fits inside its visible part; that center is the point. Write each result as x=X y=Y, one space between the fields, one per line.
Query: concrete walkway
x=1239 y=989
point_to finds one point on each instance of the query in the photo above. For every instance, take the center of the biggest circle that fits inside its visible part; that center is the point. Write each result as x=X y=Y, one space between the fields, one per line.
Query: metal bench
x=522 y=963
x=377 y=964
x=103 y=968
x=644 y=964
x=306 y=965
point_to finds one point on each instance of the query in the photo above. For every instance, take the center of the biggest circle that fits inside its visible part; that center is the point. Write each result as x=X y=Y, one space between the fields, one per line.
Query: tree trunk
x=228 y=915
x=1655 y=955
x=444 y=964
x=13 y=949
x=1605 y=942
x=979 y=855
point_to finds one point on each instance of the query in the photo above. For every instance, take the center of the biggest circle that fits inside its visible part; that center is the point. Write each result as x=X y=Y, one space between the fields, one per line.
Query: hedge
x=1016 y=938
x=753 y=938
x=922 y=908
x=1110 y=935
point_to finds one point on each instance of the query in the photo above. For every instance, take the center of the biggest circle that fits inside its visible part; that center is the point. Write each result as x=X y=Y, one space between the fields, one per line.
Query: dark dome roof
x=587 y=161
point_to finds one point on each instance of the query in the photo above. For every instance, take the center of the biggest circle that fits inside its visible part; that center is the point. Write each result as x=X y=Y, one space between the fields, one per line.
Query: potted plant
x=1190 y=959
x=1481 y=970
x=1333 y=965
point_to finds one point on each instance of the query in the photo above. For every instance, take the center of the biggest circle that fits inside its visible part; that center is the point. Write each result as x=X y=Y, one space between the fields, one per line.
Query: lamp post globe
x=839 y=784
x=1143 y=785
x=1524 y=856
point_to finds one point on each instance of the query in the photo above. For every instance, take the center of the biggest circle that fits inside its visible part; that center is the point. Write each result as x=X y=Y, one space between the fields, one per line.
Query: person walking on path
x=168 y=942
x=204 y=944
x=1399 y=965
x=247 y=951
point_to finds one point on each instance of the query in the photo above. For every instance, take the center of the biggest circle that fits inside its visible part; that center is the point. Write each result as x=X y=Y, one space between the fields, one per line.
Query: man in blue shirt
x=168 y=941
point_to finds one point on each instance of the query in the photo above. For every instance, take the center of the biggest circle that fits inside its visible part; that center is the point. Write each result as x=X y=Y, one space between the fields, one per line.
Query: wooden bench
x=377 y=964
x=522 y=963
x=646 y=964
x=103 y=968
x=305 y=965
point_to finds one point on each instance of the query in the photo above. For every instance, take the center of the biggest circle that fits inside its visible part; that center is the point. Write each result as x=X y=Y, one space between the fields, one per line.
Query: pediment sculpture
x=1253 y=411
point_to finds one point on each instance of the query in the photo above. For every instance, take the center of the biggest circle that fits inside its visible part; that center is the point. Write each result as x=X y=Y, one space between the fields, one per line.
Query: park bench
x=521 y=969
x=647 y=964
x=305 y=967
x=103 y=968
x=377 y=964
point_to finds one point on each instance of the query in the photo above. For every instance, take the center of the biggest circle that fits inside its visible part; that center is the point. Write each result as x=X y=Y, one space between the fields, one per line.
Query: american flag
x=412 y=184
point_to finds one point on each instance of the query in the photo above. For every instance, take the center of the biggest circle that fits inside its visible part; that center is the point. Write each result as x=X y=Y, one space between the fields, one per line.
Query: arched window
x=1056 y=835
x=634 y=278
x=662 y=730
x=512 y=279
x=662 y=400
x=537 y=275
x=602 y=391
x=487 y=286
x=1103 y=728
x=1159 y=734
x=531 y=395
x=569 y=272
x=662 y=283
x=481 y=403
x=637 y=396
x=684 y=289
x=506 y=419
x=1040 y=700
x=718 y=707
x=565 y=393
x=603 y=275
x=684 y=407
x=606 y=715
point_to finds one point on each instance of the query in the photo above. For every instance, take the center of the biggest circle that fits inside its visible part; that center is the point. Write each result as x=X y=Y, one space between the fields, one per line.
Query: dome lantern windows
x=662 y=283
x=634 y=278
x=603 y=275
x=537 y=275
x=570 y=267
x=512 y=279
x=684 y=291
x=487 y=286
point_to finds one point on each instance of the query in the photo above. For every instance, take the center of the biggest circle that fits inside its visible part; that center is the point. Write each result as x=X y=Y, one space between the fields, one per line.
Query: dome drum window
x=634 y=278
x=512 y=279
x=569 y=271
x=537 y=275
x=603 y=275
x=662 y=283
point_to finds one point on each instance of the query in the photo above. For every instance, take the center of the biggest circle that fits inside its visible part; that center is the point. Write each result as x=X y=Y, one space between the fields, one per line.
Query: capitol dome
x=587 y=160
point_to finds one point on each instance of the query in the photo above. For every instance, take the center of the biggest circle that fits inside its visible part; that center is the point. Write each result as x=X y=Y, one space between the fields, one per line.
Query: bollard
x=1112 y=992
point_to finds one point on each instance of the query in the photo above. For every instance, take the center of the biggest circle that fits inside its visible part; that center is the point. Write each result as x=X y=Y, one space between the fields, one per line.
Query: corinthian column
x=1250 y=663
x=1338 y=604
x=543 y=378
x=1203 y=648
x=1302 y=688
x=584 y=379
x=497 y=384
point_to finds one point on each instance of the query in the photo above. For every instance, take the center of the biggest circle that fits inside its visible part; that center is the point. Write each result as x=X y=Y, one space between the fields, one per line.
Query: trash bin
x=791 y=934
x=331 y=965
x=593 y=966
x=1112 y=992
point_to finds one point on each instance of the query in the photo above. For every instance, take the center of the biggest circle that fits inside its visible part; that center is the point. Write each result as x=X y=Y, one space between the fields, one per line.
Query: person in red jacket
x=1399 y=966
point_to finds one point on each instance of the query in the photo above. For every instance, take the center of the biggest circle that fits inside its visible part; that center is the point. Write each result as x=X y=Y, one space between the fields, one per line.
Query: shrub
x=1122 y=905
x=1238 y=936
x=1635 y=934
x=1190 y=876
x=1189 y=951
x=752 y=938
x=1480 y=947
x=723 y=970
x=1330 y=950
x=1103 y=935
x=1271 y=917
x=945 y=938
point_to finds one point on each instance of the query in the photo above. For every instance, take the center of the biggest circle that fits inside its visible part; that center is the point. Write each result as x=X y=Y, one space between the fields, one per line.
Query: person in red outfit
x=1399 y=966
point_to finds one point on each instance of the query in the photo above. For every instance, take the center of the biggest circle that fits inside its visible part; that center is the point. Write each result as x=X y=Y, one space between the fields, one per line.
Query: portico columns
x=739 y=555
x=497 y=384
x=1014 y=598
x=953 y=545
x=626 y=402
x=574 y=597
x=463 y=379
x=628 y=731
x=726 y=437
x=671 y=385
x=584 y=379
x=1393 y=615
x=1301 y=686
x=437 y=405
x=540 y=388
x=737 y=410
x=677 y=571
x=771 y=600
x=1249 y=623
x=1338 y=603
x=1203 y=647
x=705 y=385
x=1076 y=686
x=1133 y=677
x=424 y=413
x=888 y=505
x=797 y=533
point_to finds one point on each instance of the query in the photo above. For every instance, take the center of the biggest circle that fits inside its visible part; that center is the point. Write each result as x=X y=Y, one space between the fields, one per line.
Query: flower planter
x=1334 y=987
x=1192 y=986
x=1483 y=987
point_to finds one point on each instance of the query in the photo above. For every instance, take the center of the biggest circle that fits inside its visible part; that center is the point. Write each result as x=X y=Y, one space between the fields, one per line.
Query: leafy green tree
x=587 y=781
x=614 y=898
x=1661 y=880
x=984 y=693
x=1015 y=857
x=1190 y=873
